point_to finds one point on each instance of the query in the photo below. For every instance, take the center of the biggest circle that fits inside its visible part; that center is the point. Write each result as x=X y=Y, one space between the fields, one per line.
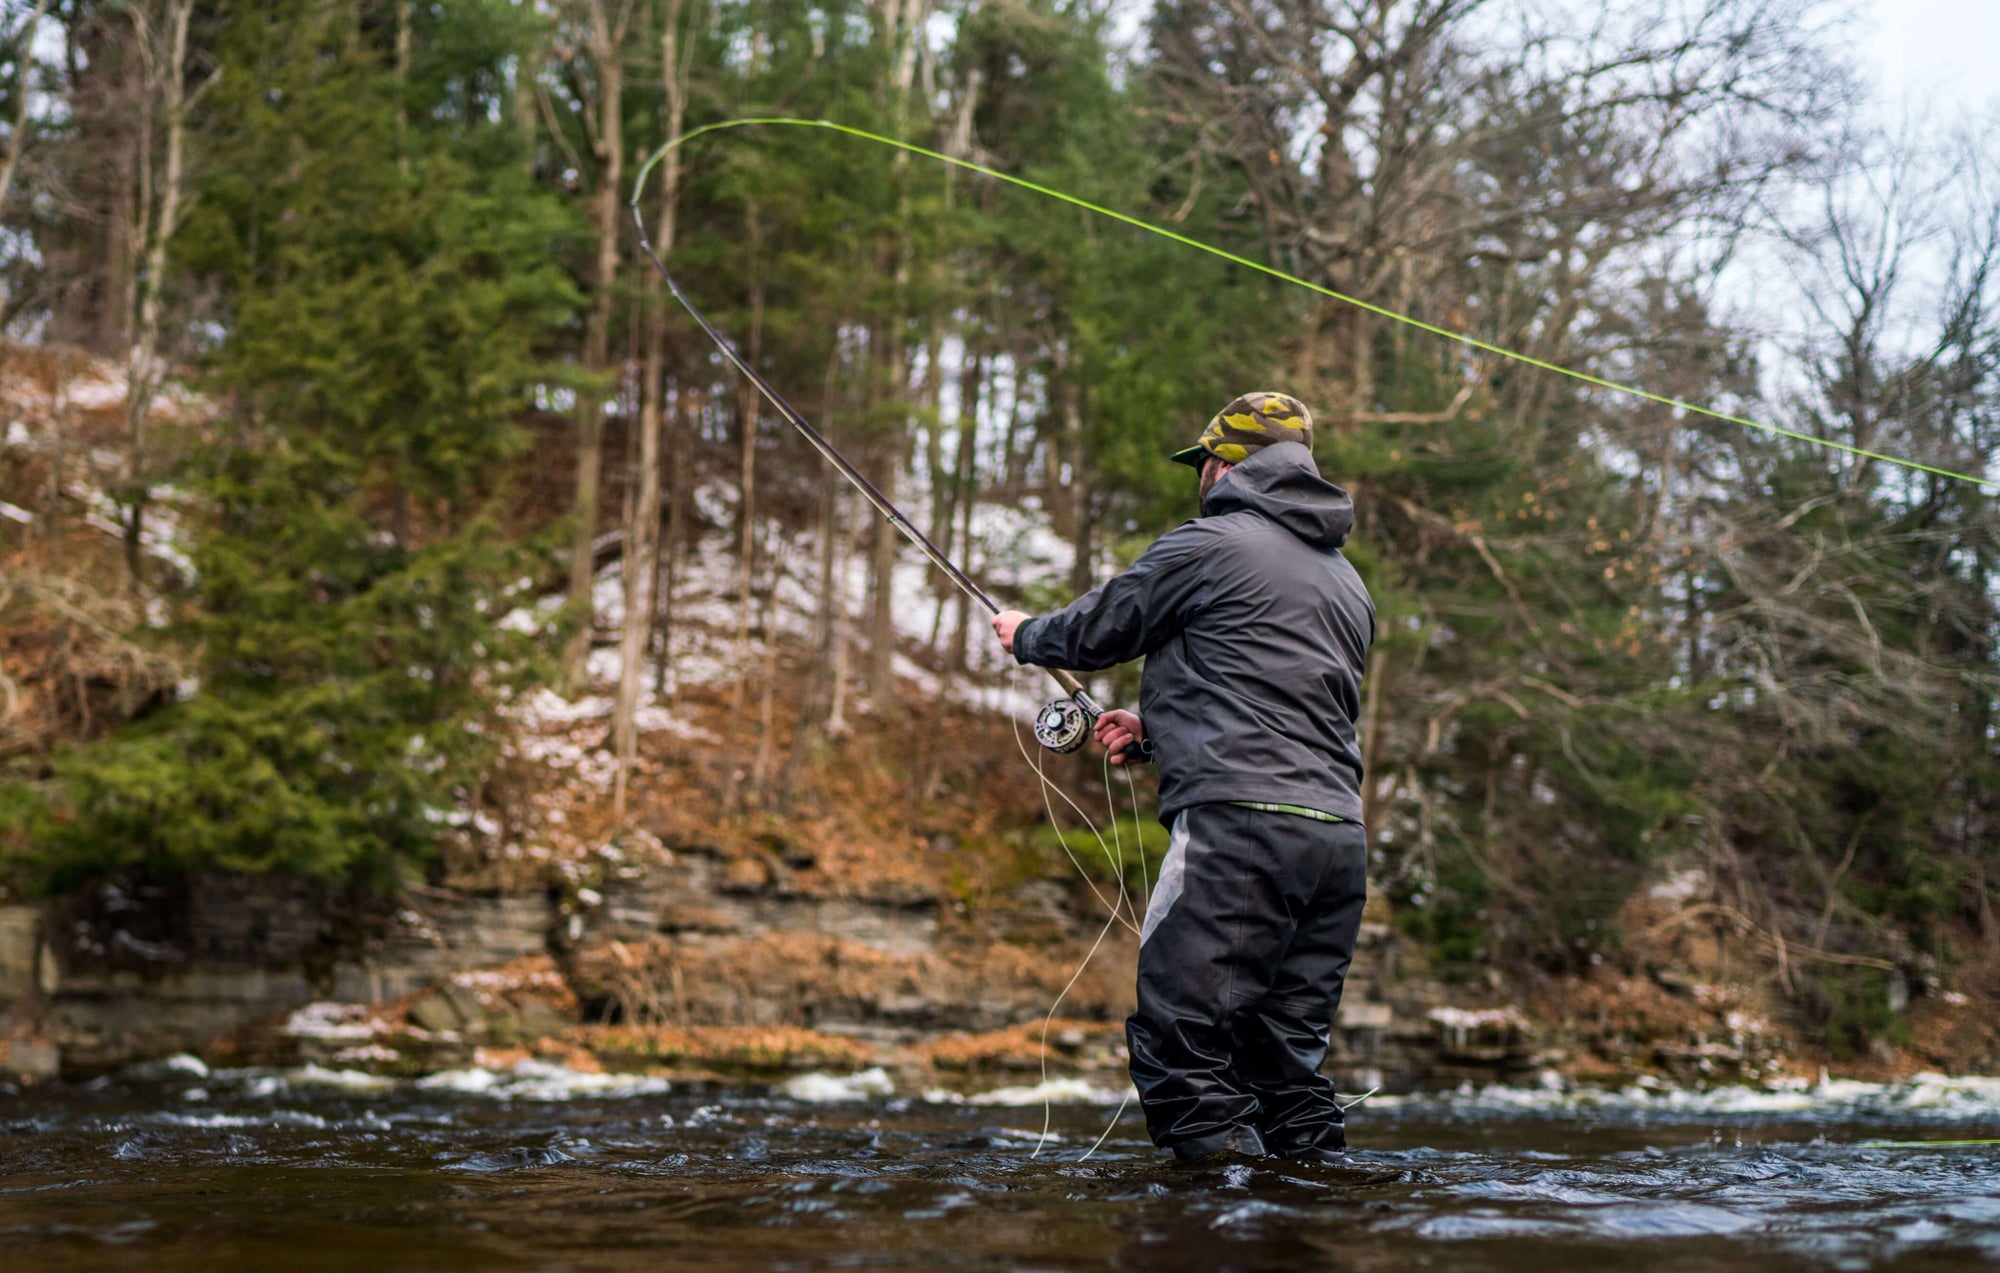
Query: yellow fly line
x=1471 y=342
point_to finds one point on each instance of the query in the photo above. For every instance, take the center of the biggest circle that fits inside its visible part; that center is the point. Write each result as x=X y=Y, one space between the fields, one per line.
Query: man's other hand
x=1004 y=624
x=1118 y=730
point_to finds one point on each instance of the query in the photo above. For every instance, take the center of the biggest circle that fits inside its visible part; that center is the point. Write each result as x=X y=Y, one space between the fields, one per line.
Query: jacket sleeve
x=1128 y=616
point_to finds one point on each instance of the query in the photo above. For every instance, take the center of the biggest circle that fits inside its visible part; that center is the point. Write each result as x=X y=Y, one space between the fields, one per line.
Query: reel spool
x=1062 y=725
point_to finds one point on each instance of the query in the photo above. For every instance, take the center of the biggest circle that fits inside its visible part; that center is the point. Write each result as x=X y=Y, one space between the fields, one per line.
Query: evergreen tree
x=391 y=278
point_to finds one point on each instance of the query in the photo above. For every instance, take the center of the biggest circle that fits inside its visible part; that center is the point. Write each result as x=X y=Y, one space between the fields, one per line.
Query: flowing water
x=176 y=1168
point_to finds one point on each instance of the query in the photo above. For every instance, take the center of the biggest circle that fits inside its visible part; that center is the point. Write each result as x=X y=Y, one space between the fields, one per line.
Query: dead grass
x=738 y=1048
x=1018 y=1047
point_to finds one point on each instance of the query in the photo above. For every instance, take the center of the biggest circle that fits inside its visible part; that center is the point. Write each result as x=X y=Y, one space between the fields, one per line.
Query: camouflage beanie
x=1250 y=423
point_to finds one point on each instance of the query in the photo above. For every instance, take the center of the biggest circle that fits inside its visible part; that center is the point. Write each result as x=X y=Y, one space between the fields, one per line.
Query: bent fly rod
x=1062 y=724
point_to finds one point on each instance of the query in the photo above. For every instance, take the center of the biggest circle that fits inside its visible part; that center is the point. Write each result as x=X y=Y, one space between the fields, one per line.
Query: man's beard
x=1211 y=473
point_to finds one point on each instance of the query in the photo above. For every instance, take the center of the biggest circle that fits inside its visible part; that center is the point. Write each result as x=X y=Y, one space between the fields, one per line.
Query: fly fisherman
x=1255 y=631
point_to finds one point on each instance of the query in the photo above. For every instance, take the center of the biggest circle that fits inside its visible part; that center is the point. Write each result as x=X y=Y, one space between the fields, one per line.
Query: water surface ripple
x=246 y=1170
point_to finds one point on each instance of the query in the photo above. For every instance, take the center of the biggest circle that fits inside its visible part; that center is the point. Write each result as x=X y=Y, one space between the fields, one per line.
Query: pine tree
x=389 y=285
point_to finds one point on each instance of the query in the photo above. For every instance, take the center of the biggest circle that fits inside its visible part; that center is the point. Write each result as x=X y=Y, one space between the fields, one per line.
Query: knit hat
x=1250 y=423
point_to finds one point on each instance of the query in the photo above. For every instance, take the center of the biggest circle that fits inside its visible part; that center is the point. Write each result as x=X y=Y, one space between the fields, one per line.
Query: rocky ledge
x=697 y=963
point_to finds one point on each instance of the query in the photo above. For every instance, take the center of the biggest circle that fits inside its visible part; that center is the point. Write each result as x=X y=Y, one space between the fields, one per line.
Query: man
x=1255 y=631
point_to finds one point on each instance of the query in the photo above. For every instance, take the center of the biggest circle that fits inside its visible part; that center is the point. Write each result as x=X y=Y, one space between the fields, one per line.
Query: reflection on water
x=541 y=1169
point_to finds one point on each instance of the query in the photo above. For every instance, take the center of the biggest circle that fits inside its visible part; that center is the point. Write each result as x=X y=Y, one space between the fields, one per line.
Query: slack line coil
x=1070 y=718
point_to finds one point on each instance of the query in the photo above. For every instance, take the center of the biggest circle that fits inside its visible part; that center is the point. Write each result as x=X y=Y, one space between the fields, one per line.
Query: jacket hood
x=1282 y=482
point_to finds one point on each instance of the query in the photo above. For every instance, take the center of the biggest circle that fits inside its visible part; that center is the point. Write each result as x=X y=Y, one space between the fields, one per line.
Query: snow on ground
x=825 y=1089
x=821 y=1089
x=1012 y=549
x=331 y=1021
x=1012 y=552
x=160 y=535
x=1927 y=1096
x=533 y=1080
x=94 y=385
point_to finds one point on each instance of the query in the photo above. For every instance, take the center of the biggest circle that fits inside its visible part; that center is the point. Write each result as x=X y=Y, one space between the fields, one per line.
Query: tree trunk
x=760 y=769
x=525 y=90
x=641 y=536
x=403 y=13
x=902 y=29
x=1371 y=745
x=674 y=550
x=954 y=490
x=746 y=486
x=968 y=497
x=17 y=134
x=606 y=37
x=1077 y=493
x=836 y=713
x=167 y=71
x=642 y=560
x=882 y=567
x=813 y=691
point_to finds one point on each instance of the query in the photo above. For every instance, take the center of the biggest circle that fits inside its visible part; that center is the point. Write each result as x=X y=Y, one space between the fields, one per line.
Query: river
x=174 y=1167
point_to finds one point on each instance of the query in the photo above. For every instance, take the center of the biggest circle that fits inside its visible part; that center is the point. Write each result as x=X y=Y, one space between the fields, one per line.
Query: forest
x=406 y=427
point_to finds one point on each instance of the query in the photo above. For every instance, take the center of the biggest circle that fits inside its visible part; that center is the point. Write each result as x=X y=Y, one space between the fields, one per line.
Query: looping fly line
x=1470 y=342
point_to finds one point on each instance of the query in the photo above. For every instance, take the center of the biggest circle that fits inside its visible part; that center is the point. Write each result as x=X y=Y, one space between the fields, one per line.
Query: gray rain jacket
x=1255 y=630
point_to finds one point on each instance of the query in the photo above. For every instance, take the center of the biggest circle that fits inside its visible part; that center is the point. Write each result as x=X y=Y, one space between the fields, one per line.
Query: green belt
x=1317 y=815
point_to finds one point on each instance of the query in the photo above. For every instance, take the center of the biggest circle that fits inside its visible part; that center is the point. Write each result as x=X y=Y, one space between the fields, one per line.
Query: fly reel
x=1062 y=725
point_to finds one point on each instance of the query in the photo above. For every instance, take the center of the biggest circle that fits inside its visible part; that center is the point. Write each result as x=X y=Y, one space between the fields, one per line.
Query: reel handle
x=1083 y=721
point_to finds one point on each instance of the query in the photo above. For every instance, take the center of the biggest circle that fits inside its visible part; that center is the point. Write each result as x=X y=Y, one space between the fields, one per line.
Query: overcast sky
x=1945 y=50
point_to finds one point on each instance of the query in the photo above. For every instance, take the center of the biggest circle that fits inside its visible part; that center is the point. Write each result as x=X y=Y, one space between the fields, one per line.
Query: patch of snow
x=522 y=620
x=544 y=707
x=604 y=665
x=607 y=595
x=1926 y=1096
x=98 y=392
x=1680 y=887
x=345 y=1080
x=330 y=1021
x=821 y=1089
x=1052 y=1092
x=181 y=1065
x=372 y=1052
x=533 y=1080
x=497 y=980
x=1478 y=1019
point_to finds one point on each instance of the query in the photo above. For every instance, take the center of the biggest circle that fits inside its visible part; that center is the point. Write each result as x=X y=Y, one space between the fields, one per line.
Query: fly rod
x=1062 y=724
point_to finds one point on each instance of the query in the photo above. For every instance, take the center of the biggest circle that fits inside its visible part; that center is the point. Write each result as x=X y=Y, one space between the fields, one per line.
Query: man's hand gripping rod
x=1063 y=724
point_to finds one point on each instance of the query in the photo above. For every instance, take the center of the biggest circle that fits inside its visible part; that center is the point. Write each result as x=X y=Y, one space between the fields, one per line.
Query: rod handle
x=1130 y=752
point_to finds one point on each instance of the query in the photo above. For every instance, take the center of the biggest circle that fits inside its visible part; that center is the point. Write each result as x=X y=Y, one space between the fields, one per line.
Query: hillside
x=776 y=899
x=397 y=583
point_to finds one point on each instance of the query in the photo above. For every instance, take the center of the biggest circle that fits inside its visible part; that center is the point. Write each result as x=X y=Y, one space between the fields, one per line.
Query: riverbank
x=926 y=935
x=882 y=887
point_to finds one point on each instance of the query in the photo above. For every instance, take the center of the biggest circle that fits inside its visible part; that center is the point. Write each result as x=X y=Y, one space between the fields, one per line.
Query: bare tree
x=901 y=32
x=160 y=37
x=605 y=23
x=748 y=405
x=23 y=39
x=641 y=558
